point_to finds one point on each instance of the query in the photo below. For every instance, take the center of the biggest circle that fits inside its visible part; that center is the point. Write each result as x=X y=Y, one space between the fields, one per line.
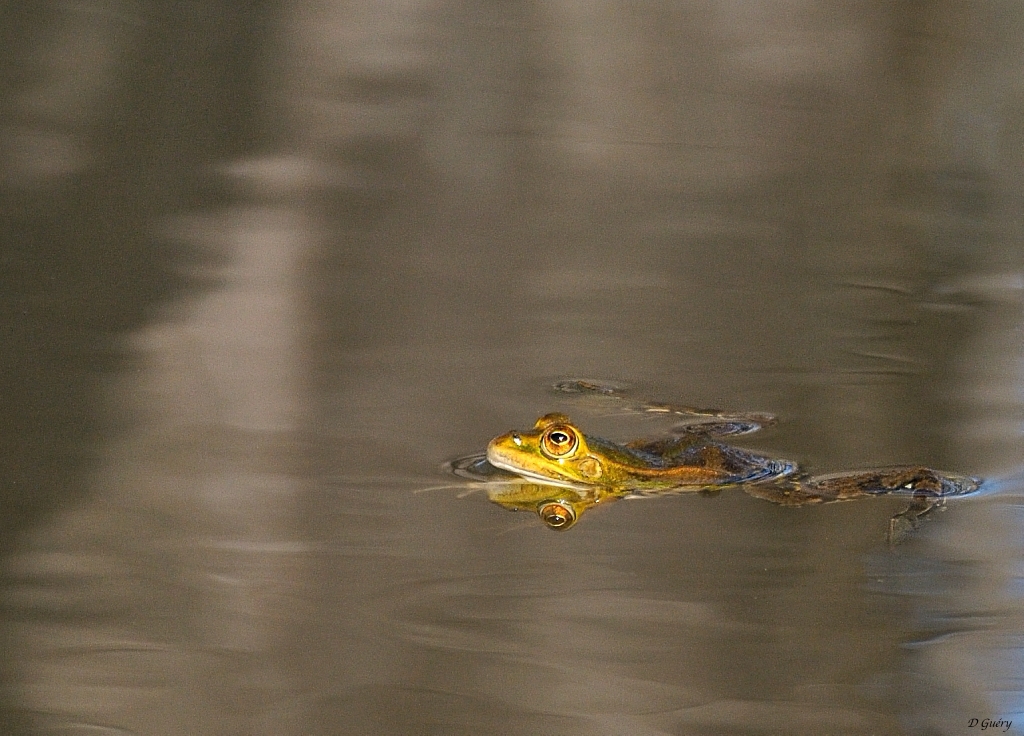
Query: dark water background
x=265 y=266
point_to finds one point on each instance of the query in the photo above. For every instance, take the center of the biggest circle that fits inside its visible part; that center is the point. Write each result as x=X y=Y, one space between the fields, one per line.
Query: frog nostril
x=517 y=439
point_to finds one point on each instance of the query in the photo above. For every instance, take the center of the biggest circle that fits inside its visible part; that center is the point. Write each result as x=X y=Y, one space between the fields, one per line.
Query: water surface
x=264 y=272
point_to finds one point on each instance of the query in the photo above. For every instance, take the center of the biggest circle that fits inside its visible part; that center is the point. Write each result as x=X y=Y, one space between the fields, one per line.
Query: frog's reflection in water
x=559 y=508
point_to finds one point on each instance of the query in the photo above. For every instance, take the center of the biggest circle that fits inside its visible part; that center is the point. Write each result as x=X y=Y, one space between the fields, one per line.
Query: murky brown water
x=264 y=270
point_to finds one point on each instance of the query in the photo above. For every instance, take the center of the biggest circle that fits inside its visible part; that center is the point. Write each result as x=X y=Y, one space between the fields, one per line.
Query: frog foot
x=903 y=524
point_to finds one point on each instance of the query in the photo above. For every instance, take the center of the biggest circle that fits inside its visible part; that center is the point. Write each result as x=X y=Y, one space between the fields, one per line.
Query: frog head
x=554 y=452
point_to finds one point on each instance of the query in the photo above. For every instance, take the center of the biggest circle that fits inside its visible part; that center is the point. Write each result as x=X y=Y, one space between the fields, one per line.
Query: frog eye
x=559 y=441
x=557 y=515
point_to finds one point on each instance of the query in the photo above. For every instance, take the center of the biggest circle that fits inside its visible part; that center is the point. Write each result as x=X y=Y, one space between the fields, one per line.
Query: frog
x=558 y=453
x=558 y=471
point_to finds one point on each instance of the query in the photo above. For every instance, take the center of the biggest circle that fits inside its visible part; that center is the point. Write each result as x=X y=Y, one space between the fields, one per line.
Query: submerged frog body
x=560 y=472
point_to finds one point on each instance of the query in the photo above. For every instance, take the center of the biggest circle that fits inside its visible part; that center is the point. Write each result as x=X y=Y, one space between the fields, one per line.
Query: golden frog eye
x=557 y=515
x=559 y=441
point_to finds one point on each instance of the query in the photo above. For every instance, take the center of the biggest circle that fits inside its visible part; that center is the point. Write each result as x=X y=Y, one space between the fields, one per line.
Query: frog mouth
x=495 y=458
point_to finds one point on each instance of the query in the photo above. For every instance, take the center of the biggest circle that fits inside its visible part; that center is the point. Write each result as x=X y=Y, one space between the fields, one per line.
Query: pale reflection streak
x=173 y=589
x=968 y=653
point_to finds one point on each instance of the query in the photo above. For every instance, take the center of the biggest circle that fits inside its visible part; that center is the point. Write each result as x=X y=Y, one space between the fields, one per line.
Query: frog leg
x=760 y=418
x=588 y=386
x=724 y=427
x=904 y=523
x=791 y=491
x=929 y=490
x=721 y=422
x=915 y=480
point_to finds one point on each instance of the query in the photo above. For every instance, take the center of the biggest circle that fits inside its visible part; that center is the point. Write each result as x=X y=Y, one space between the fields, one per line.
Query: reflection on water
x=264 y=268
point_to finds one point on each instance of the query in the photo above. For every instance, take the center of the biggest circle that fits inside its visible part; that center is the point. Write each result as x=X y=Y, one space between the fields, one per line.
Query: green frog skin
x=556 y=452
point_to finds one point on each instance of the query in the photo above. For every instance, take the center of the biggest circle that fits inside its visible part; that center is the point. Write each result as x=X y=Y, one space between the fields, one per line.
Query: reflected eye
x=558 y=441
x=557 y=515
